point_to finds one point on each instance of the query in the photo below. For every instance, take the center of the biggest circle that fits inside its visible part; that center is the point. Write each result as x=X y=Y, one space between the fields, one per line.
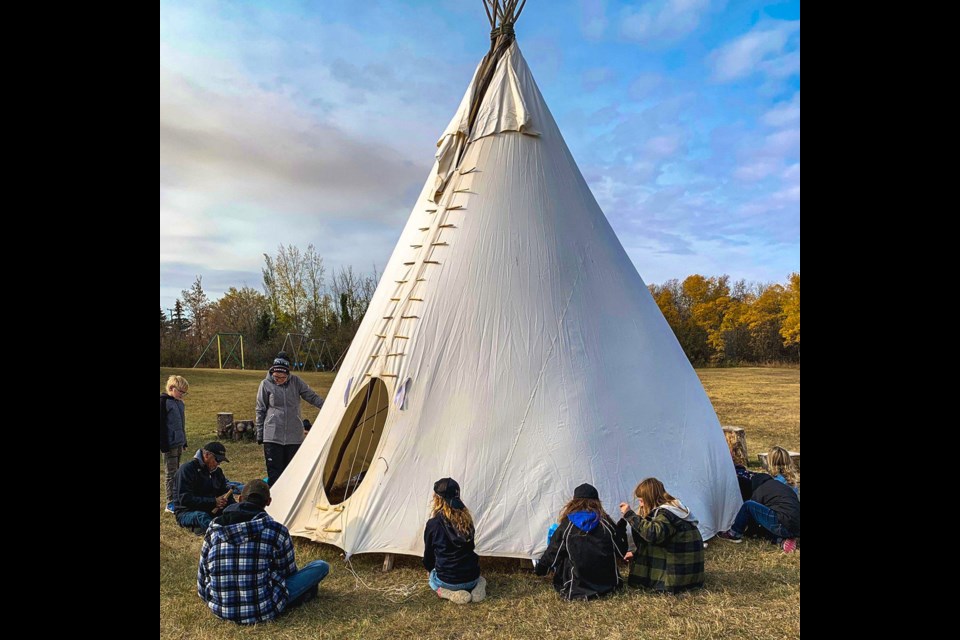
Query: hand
x=221 y=502
x=624 y=507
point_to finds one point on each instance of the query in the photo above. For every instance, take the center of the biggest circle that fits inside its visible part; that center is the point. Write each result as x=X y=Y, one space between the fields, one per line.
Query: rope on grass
x=396 y=594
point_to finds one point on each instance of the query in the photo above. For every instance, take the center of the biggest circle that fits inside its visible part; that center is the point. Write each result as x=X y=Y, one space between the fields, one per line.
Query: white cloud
x=757 y=170
x=788 y=195
x=645 y=86
x=784 y=114
x=596 y=77
x=763 y=49
x=593 y=19
x=662 y=21
x=244 y=171
x=783 y=143
x=663 y=146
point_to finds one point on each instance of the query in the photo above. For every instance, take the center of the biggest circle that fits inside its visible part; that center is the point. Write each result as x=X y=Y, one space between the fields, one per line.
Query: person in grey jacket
x=279 y=423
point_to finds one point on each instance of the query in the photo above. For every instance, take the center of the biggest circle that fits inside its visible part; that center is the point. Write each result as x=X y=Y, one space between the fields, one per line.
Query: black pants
x=278 y=456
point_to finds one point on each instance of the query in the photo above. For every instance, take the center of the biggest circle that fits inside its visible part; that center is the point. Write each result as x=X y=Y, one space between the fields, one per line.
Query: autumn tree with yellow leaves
x=723 y=324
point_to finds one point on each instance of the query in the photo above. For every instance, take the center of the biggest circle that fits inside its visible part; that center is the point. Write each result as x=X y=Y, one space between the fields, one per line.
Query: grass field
x=752 y=590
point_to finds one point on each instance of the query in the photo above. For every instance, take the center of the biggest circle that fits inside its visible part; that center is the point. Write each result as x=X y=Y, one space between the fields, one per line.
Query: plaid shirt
x=243 y=567
x=669 y=555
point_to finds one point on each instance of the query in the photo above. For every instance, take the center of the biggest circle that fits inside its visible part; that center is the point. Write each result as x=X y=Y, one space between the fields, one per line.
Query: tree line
x=722 y=324
x=716 y=322
x=297 y=298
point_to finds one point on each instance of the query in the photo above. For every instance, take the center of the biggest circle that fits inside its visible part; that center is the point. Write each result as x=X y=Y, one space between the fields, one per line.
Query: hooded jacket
x=244 y=565
x=278 y=418
x=669 y=555
x=173 y=436
x=583 y=554
x=449 y=552
x=240 y=512
x=780 y=497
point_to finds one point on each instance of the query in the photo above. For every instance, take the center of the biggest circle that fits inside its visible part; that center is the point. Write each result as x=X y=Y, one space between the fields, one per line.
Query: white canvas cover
x=522 y=353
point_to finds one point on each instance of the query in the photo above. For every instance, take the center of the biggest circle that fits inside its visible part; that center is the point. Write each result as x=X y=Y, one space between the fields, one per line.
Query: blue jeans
x=753 y=511
x=306 y=579
x=198 y=519
x=436 y=583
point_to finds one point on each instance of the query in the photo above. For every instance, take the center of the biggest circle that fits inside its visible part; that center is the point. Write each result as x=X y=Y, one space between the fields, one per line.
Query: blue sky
x=315 y=122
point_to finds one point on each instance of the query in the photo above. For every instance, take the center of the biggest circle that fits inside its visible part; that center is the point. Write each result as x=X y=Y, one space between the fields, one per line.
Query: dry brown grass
x=752 y=590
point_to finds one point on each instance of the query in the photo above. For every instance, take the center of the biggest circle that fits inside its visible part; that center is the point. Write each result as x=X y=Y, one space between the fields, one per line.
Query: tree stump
x=794 y=455
x=224 y=424
x=388 y=562
x=737 y=443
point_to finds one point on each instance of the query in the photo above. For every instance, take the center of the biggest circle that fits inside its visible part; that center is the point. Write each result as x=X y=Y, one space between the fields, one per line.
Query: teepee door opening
x=355 y=442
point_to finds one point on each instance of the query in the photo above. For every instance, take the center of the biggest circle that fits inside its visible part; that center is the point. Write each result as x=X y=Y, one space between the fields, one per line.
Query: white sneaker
x=480 y=591
x=458 y=597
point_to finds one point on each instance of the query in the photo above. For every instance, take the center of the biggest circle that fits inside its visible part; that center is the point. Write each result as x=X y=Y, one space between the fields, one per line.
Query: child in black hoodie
x=584 y=549
x=448 y=543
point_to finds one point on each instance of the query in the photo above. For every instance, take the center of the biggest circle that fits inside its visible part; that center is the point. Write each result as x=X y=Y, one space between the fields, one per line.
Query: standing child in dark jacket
x=173 y=434
x=773 y=510
x=584 y=549
x=448 y=543
x=669 y=555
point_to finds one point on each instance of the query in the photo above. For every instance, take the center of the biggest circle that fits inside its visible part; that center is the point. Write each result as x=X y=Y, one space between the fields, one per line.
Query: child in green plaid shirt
x=669 y=555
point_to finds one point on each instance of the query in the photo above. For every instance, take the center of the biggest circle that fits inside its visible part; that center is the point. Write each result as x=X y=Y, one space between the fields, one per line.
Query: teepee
x=510 y=345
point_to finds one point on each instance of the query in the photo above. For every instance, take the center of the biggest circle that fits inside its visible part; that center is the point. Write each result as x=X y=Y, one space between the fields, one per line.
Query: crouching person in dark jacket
x=448 y=547
x=247 y=571
x=200 y=488
x=585 y=548
x=772 y=512
x=669 y=555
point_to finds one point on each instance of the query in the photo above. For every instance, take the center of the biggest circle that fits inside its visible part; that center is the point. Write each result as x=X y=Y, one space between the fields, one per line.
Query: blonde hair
x=583 y=504
x=653 y=494
x=461 y=519
x=781 y=464
x=177 y=382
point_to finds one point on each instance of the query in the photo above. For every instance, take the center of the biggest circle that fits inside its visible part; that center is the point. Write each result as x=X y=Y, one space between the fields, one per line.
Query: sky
x=302 y=123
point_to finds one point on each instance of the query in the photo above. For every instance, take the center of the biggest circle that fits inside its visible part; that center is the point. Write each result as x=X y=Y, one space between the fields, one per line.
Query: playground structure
x=222 y=340
x=309 y=352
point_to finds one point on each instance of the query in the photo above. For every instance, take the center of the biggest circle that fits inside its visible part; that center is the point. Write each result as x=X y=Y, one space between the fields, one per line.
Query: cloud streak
x=768 y=49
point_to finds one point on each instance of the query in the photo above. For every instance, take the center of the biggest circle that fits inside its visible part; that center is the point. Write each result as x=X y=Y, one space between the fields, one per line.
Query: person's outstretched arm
x=653 y=530
x=309 y=394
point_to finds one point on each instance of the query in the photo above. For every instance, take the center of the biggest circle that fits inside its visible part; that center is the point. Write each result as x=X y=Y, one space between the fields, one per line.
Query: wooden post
x=224 y=424
x=388 y=562
x=737 y=442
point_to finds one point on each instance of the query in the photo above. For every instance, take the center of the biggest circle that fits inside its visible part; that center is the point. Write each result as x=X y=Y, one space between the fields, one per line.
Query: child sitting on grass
x=584 y=549
x=669 y=555
x=448 y=543
x=773 y=510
